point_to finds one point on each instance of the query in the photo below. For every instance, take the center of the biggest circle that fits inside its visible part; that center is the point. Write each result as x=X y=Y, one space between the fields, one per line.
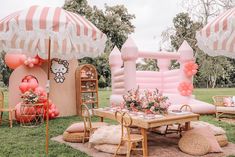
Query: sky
x=152 y=16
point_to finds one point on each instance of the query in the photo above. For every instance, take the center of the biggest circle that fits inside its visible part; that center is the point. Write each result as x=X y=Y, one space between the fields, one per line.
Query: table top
x=150 y=121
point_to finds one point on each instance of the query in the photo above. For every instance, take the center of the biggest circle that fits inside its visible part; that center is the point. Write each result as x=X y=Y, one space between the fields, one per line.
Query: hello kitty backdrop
x=62 y=80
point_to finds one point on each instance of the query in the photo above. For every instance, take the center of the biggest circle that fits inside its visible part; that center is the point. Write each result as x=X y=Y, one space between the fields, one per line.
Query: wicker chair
x=89 y=126
x=10 y=111
x=220 y=109
x=180 y=127
x=127 y=137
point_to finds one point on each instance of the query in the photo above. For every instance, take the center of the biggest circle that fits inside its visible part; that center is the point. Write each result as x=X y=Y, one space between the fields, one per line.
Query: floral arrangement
x=185 y=88
x=190 y=68
x=151 y=102
x=30 y=97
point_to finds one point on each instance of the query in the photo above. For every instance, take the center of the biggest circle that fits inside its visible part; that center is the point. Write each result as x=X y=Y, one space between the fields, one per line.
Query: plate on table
x=178 y=112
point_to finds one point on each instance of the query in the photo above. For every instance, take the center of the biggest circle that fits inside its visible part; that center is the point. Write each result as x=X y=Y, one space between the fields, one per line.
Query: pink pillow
x=228 y=102
x=76 y=127
x=209 y=136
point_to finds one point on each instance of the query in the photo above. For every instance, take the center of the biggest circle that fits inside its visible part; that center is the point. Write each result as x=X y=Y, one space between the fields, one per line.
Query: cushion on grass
x=79 y=127
x=111 y=148
x=76 y=127
x=216 y=130
x=106 y=135
x=73 y=137
x=222 y=140
x=194 y=144
x=208 y=136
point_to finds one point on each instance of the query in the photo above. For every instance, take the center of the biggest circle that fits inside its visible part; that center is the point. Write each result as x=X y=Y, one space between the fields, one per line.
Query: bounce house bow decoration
x=185 y=88
x=190 y=68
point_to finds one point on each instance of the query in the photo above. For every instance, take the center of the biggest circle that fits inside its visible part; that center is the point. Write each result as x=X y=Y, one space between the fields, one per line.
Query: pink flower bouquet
x=152 y=102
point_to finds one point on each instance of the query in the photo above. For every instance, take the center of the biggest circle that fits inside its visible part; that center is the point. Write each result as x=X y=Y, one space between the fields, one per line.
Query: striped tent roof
x=71 y=35
x=218 y=36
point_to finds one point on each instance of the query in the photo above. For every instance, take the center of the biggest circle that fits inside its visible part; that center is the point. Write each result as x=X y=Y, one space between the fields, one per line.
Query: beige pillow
x=106 y=135
x=73 y=137
x=110 y=148
x=194 y=144
x=76 y=127
x=209 y=136
x=216 y=130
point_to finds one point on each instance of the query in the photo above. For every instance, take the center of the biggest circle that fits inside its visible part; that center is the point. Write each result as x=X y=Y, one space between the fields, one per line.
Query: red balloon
x=33 y=84
x=29 y=113
x=13 y=60
x=24 y=86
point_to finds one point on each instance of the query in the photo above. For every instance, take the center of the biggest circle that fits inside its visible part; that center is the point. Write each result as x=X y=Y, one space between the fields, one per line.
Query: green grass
x=24 y=142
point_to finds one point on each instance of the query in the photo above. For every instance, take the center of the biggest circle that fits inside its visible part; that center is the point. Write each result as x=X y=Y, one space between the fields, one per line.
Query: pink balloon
x=24 y=86
x=29 y=77
x=33 y=84
x=57 y=112
x=22 y=59
x=26 y=62
x=31 y=65
x=39 y=90
x=12 y=60
x=36 y=61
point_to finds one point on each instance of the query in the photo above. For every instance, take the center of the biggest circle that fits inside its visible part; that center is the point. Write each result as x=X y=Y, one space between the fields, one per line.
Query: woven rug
x=158 y=146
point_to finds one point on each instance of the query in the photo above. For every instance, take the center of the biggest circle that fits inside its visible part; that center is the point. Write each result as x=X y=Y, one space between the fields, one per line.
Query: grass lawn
x=24 y=142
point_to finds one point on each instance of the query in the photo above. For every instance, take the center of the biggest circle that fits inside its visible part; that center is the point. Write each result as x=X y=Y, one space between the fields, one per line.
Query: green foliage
x=213 y=71
x=102 y=82
x=23 y=142
x=5 y=71
x=114 y=21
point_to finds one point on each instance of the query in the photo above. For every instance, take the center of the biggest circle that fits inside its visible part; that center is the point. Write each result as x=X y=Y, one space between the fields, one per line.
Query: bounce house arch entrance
x=177 y=84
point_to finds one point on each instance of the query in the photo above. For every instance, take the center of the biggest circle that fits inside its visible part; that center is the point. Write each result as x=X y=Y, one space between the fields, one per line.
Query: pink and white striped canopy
x=71 y=35
x=218 y=36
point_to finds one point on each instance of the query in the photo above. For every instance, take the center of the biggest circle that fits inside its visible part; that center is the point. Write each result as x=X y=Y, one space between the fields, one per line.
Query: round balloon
x=13 y=60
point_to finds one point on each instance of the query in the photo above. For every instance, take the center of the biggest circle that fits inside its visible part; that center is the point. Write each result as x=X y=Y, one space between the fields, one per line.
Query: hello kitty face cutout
x=59 y=68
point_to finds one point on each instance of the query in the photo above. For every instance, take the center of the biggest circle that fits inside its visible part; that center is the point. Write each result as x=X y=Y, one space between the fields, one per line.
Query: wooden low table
x=145 y=124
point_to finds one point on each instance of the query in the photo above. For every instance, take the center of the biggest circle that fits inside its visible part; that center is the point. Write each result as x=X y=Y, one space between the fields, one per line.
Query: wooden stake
x=48 y=96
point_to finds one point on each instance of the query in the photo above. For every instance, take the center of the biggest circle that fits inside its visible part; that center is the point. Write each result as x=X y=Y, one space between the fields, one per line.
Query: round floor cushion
x=73 y=137
x=194 y=144
x=111 y=148
x=222 y=140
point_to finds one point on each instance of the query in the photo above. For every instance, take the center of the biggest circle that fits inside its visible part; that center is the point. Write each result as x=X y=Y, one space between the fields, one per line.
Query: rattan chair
x=10 y=111
x=220 y=109
x=89 y=126
x=126 y=136
x=180 y=127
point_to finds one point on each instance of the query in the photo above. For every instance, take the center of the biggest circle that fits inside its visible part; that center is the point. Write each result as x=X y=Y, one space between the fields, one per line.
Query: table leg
x=102 y=119
x=145 y=142
x=187 y=126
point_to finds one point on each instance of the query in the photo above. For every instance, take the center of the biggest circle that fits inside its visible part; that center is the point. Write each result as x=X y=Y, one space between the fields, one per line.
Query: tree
x=211 y=69
x=204 y=10
x=5 y=71
x=114 y=21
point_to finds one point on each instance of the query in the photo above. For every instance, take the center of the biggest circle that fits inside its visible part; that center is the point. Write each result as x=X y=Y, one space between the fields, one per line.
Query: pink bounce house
x=176 y=84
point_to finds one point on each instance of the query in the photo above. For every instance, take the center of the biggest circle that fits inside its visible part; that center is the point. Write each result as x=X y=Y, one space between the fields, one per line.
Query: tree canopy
x=114 y=21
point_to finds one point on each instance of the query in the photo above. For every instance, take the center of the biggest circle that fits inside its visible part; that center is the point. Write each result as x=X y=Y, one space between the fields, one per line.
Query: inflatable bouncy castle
x=177 y=84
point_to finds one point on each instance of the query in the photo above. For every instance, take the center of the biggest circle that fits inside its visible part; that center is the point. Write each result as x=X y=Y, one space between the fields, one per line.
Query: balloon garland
x=190 y=68
x=185 y=88
x=30 y=84
x=14 y=60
